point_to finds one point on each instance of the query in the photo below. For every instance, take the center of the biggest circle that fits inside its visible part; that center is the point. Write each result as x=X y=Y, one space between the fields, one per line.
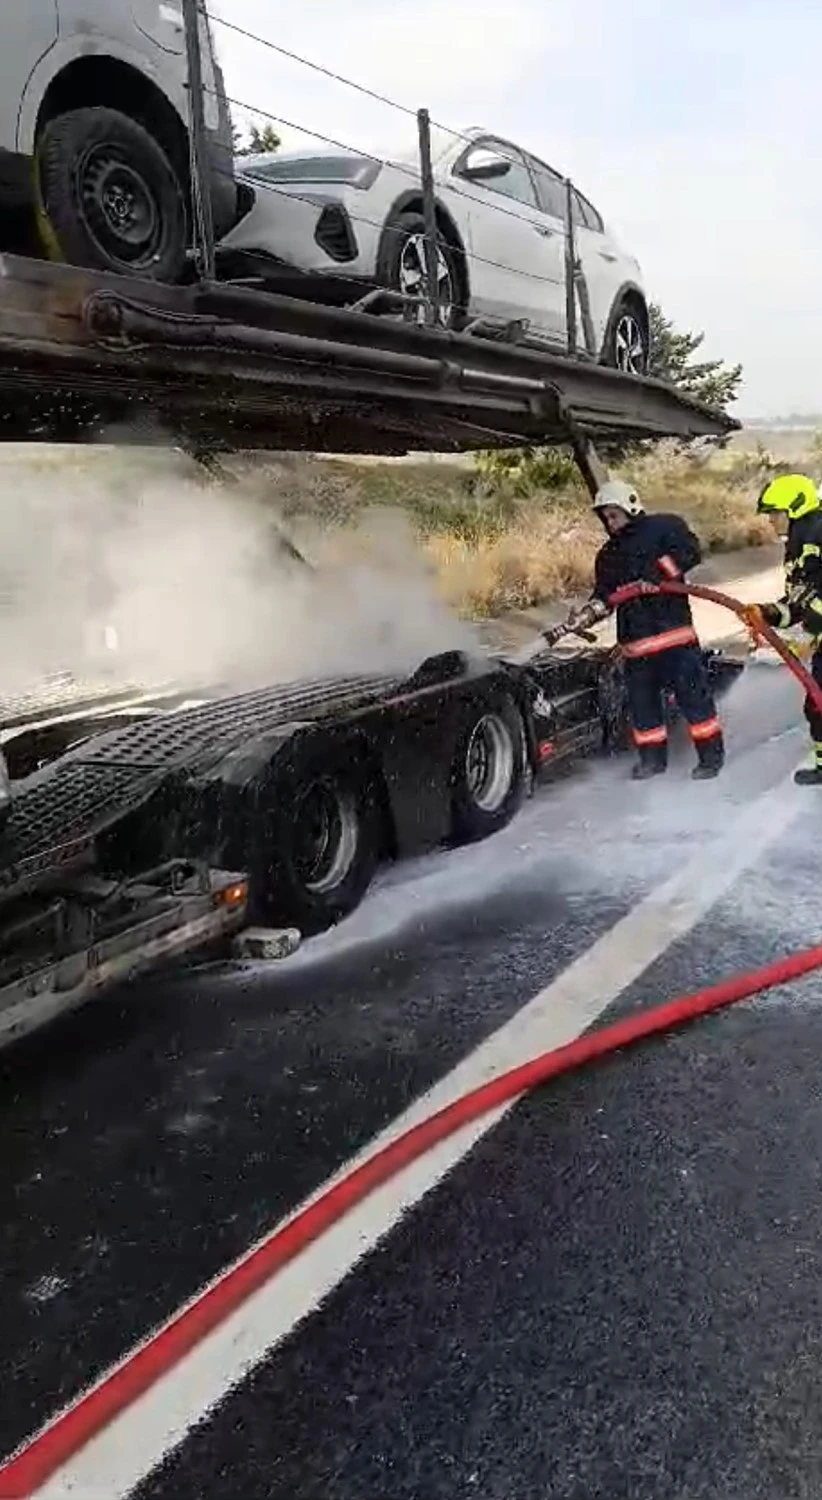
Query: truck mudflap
x=70 y=945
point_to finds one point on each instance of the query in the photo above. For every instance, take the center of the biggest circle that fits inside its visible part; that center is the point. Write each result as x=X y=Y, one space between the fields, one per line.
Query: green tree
x=710 y=381
x=260 y=138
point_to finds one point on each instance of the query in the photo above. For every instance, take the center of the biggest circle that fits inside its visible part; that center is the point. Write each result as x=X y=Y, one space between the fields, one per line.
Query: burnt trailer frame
x=217 y=367
x=224 y=782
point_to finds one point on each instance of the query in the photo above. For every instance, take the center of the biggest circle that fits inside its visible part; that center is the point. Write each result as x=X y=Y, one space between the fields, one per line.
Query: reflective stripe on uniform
x=796 y=564
x=706 y=730
x=651 y=736
x=685 y=635
x=668 y=566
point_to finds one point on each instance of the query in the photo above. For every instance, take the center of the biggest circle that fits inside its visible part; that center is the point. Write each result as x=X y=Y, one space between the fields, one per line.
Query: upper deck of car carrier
x=219 y=366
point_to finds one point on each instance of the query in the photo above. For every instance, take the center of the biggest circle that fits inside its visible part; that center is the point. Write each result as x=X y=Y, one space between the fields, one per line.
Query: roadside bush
x=527 y=471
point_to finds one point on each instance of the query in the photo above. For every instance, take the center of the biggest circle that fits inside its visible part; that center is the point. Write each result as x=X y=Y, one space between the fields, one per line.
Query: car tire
x=488 y=773
x=109 y=198
x=316 y=844
x=402 y=267
x=627 y=342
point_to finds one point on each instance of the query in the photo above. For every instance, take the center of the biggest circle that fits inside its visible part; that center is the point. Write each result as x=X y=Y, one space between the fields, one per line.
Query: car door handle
x=544 y=229
x=608 y=255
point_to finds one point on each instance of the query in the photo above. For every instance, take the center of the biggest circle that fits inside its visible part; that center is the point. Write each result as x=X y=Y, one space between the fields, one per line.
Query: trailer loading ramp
x=220 y=366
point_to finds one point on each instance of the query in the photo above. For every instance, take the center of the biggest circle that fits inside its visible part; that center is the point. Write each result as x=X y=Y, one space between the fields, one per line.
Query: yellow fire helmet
x=794 y=495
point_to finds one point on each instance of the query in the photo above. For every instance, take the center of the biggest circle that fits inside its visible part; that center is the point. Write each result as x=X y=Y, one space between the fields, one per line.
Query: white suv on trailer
x=501 y=220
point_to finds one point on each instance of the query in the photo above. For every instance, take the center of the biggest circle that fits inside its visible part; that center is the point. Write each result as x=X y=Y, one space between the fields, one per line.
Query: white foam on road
x=593 y=837
x=146 y=1432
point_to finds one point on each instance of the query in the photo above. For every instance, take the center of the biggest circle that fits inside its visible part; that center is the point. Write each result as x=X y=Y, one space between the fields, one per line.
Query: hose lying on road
x=57 y=1443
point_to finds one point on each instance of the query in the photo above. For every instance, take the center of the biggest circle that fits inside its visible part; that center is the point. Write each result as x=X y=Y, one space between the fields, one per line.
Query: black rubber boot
x=809 y=776
x=711 y=759
x=653 y=761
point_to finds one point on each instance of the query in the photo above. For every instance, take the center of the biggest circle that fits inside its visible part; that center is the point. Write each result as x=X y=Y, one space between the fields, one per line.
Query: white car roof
x=402 y=152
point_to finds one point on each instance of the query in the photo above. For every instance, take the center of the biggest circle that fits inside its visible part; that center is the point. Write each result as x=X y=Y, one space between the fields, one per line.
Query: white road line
x=135 y=1442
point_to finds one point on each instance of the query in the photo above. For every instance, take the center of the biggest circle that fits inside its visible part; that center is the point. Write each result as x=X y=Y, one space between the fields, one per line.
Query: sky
x=695 y=129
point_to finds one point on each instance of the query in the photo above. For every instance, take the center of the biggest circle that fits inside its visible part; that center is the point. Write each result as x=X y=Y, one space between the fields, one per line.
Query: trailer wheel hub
x=326 y=837
x=489 y=768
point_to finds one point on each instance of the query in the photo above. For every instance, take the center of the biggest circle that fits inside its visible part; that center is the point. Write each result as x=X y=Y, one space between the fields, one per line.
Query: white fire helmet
x=623 y=496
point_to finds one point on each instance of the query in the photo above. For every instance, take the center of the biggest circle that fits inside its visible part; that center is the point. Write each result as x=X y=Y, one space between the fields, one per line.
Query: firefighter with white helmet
x=655 y=631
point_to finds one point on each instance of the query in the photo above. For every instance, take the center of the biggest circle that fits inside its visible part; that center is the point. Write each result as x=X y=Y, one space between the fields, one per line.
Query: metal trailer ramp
x=220 y=366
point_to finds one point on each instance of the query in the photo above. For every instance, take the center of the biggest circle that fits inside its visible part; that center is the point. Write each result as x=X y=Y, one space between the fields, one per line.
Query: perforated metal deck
x=98 y=783
x=197 y=737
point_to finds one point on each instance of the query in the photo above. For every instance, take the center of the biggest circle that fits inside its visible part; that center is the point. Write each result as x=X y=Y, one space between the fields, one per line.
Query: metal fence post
x=570 y=270
x=200 y=188
x=588 y=461
x=429 y=214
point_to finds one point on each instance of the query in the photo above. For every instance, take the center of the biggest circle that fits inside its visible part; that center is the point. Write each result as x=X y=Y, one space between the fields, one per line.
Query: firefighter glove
x=771 y=614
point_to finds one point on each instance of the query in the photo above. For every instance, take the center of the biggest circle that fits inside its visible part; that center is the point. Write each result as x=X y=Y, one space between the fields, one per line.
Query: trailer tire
x=317 y=846
x=108 y=197
x=488 y=772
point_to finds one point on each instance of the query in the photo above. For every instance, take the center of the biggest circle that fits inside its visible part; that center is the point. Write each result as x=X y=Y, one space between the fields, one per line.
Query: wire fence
x=434 y=267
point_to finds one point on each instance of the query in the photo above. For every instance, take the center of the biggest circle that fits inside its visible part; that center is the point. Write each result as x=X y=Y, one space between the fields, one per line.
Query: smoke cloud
x=191 y=580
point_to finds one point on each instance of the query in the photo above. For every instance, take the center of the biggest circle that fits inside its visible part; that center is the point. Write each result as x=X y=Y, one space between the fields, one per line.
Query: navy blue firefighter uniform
x=659 y=644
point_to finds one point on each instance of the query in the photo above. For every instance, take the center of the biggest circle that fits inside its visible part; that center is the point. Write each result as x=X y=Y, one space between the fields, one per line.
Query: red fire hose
x=52 y=1448
x=760 y=627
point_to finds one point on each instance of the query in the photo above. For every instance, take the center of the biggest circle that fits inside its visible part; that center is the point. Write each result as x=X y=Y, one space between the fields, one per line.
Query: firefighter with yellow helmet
x=793 y=503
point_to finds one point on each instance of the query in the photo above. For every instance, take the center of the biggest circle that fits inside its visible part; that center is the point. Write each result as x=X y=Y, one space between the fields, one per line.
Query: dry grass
x=490 y=544
x=494 y=548
x=532 y=561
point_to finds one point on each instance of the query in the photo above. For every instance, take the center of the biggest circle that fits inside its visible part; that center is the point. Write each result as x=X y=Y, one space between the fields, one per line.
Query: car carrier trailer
x=221 y=366
x=139 y=830
x=166 y=836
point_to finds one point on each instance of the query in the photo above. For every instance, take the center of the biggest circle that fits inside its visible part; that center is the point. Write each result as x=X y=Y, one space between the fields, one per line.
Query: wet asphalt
x=617 y=1293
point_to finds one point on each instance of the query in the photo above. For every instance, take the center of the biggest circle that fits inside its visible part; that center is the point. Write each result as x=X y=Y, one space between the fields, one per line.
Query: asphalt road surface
x=611 y=1291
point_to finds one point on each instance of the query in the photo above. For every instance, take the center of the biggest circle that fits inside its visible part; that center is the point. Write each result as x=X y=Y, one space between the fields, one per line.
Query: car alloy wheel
x=413 y=280
x=630 y=352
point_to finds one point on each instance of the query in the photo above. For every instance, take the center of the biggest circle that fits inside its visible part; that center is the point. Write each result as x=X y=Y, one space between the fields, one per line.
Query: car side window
x=550 y=190
x=516 y=184
x=588 y=214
